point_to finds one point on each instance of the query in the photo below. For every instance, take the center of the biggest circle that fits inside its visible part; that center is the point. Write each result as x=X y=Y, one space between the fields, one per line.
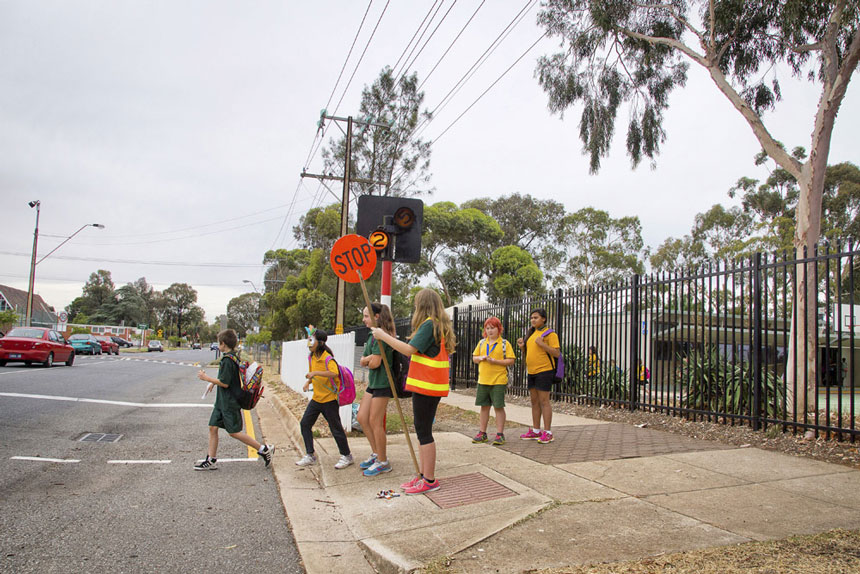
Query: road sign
x=379 y=240
x=351 y=255
x=63 y=317
x=143 y=326
x=160 y=333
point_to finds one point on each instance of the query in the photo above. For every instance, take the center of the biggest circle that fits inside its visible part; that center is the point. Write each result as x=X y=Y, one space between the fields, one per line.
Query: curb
x=310 y=552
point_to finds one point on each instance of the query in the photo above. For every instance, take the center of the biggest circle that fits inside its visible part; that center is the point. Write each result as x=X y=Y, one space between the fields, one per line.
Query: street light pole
x=259 y=300
x=31 y=290
x=38 y=205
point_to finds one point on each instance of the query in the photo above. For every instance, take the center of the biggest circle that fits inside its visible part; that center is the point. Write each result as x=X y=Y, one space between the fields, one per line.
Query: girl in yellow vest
x=540 y=350
x=493 y=355
x=429 y=345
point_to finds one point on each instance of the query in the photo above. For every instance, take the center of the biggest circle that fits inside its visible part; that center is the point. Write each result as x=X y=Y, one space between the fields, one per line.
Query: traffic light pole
x=385 y=298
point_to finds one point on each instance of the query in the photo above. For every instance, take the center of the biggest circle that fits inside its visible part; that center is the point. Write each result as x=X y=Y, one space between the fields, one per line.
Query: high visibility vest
x=429 y=375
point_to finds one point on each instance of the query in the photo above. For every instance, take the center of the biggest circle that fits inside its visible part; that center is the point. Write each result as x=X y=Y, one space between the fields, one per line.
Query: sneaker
x=545 y=437
x=480 y=437
x=207 y=464
x=531 y=435
x=499 y=440
x=368 y=463
x=423 y=486
x=378 y=468
x=266 y=454
x=345 y=461
x=306 y=460
x=411 y=483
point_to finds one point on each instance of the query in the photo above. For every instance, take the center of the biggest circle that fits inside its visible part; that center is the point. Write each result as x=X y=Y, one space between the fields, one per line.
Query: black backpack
x=400 y=371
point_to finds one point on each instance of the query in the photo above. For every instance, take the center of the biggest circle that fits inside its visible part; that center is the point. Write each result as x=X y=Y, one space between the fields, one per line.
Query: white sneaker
x=306 y=460
x=345 y=461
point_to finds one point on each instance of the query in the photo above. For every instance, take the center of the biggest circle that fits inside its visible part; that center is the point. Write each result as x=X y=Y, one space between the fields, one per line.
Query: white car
x=155 y=346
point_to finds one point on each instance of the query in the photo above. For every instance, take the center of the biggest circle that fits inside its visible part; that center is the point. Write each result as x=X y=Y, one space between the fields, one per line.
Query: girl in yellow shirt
x=540 y=350
x=322 y=371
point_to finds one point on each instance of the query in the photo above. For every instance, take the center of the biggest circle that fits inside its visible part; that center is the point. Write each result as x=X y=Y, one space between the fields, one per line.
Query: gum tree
x=637 y=52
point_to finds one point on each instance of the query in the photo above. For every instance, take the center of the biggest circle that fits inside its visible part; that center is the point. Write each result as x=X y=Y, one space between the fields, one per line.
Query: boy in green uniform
x=226 y=413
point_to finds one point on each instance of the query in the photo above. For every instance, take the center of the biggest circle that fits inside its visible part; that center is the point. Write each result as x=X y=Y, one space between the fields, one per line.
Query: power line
x=420 y=26
x=138 y=262
x=433 y=17
x=346 y=60
x=451 y=45
x=529 y=49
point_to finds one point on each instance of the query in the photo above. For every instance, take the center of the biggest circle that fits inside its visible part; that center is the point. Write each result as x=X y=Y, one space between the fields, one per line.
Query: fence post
x=456 y=360
x=633 y=362
x=756 y=355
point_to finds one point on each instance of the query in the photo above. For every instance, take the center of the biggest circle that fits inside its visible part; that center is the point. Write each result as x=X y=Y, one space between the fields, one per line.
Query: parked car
x=213 y=346
x=85 y=344
x=122 y=342
x=196 y=345
x=155 y=346
x=108 y=344
x=35 y=345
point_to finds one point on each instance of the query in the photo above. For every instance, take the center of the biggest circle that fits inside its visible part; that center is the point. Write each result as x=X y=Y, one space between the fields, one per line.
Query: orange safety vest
x=429 y=375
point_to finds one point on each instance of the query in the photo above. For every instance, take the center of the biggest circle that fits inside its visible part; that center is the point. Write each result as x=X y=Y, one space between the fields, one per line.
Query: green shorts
x=230 y=420
x=490 y=395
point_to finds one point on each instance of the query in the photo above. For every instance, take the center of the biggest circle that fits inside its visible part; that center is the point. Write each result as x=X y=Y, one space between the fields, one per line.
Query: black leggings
x=424 y=413
x=330 y=411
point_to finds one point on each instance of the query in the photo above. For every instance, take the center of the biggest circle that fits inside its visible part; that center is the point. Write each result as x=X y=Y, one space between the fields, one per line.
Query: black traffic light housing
x=400 y=219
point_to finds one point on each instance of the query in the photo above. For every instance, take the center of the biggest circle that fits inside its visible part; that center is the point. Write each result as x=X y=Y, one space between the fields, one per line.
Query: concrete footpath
x=600 y=492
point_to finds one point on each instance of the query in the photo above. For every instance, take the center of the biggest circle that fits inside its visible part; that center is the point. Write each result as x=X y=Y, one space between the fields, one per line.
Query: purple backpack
x=559 y=363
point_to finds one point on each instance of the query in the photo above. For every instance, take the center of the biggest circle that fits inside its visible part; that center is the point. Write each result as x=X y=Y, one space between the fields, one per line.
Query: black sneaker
x=266 y=454
x=207 y=464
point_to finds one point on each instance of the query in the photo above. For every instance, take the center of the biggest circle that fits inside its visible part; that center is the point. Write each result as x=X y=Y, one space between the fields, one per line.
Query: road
x=134 y=505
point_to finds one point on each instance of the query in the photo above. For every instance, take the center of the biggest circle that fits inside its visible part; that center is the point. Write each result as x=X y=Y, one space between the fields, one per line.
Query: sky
x=183 y=126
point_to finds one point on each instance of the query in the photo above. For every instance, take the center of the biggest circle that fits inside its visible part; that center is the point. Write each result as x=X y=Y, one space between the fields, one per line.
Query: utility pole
x=344 y=206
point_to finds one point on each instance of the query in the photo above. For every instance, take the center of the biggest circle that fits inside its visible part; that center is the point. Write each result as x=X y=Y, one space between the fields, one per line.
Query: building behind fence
x=712 y=344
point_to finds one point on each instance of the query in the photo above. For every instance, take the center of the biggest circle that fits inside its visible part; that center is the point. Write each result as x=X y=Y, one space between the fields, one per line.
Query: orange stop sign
x=351 y=255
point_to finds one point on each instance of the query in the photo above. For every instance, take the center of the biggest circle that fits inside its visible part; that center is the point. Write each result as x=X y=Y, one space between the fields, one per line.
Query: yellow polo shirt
x=538 y=360
x=500 y=349
x=323 y=387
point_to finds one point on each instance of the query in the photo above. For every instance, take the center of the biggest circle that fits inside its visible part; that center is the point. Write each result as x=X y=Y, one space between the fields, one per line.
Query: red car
x=108 y=345
x=30 y=345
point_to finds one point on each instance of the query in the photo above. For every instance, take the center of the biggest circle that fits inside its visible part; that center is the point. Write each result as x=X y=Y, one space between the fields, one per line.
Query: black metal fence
x=712 y=344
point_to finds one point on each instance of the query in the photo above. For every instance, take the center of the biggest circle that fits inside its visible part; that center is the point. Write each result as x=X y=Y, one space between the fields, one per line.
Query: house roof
x=17 y=299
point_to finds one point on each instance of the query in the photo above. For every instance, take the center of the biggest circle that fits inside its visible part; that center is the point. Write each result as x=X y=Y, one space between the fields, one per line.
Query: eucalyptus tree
x=394 y=155
x=617 y=51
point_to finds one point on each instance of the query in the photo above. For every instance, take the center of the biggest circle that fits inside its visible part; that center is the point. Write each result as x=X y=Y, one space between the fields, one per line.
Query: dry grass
x=834 y=552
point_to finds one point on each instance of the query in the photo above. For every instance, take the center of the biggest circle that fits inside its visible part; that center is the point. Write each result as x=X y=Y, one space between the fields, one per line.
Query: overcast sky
x=182 y=127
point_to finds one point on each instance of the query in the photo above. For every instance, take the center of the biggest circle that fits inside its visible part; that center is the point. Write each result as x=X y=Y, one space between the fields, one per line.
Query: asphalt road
x=97 y=516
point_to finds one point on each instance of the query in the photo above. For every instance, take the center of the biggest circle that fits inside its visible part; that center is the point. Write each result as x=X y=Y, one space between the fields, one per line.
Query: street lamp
x=258 y=300
x=37 y=204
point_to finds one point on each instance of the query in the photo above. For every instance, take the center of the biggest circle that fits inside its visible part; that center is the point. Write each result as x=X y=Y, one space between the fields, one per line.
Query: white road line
x=104 y=402
x=41 y=459
x=238 y=459
x=138 y=462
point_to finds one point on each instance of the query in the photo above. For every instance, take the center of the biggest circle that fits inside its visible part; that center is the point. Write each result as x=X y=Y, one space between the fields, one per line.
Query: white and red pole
x=385 y=295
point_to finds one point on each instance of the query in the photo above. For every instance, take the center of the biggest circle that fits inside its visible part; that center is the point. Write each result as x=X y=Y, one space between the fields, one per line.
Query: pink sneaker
x=411 y=483
x=545 y=437
x=423 y=486
x=531 y=435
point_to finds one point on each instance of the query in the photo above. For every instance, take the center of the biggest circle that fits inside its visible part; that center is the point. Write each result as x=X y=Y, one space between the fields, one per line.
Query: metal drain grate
x=99 y=437
x=468 y=489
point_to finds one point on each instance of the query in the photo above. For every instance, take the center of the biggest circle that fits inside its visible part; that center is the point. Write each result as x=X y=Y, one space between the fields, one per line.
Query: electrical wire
x=430 y=37
x=345 y=61
x=138 y=262
x=414 y=35
x=429 y=22
x=451 y=45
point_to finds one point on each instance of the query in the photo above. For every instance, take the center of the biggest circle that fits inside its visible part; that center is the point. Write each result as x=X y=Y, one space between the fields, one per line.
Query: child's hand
x=520 y=343
x=307 y=386
x=201 y=374
x=309 y=376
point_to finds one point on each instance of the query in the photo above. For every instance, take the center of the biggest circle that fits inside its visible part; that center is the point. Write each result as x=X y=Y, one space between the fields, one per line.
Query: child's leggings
x=330 y=411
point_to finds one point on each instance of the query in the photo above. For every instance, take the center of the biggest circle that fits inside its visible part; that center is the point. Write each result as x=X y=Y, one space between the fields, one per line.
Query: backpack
x=343 y=385
x=559 y=364
x=251 y=383
x=400 y=372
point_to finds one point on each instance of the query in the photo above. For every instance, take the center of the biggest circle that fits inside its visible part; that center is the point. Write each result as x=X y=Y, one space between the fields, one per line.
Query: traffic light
x=393 y=225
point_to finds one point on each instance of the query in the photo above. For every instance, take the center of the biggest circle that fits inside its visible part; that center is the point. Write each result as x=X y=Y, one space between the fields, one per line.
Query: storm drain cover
x=99 y=437
x=467 y=489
